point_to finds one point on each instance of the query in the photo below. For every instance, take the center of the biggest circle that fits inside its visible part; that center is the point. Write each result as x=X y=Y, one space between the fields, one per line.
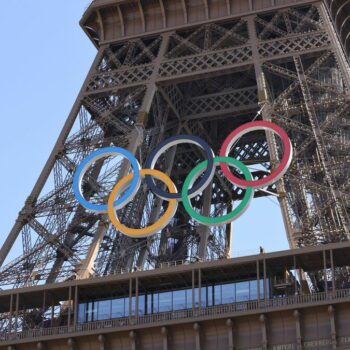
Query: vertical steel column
x=262 y=320
x=322 y=149
x=193 y=289
x=151 y=86
x=137 y=297
x=199 y=289
x=135 y=140
x=258 y=280
x=164 y=332
x=204 y=230
x=16 y=312
x=333 y=271
x=130 y=299
x=196 y=328
x=43 y=308
x=265 y=282
x=11 y=313
x=331 y=312
x=296 y=274
x=52 y=312
x=296 y=315
x=325 y=271
x=335 y=44
x=229 y=325
x=132 y=336
x=76 y=305
x=69 y=305
x=271 y=141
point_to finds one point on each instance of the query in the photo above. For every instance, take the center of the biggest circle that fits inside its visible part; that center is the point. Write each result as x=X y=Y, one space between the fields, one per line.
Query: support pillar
x=199 y=289
x=196 y=328
x=262 y=320
x=266 y=115
x=16 y=312
x=11 y=314
x=296 y=315
x=265 y=281
x=102 y=342
x=164 y=332
x=76 y=305
x=41 y=346
x=136 y=298
x=43 y=308
x=69 y=306
x=333 y=271
x=204 y=230
x=193 y=289
x=135 y=140
x=52 y=314
x=335 y=44
x=258 y=281
x=132 y=336
x=296 y=274
x=333 y=328
x=229 y=325
x=324 y=257
x=71 y=344
x=130 y=300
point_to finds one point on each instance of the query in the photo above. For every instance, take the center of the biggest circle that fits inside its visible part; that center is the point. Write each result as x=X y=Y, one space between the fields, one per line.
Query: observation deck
x=230 y=303
x=113 y=20
x=107 y=21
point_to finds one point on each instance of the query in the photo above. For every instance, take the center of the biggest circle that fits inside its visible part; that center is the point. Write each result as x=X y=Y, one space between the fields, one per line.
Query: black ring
x=178 y=139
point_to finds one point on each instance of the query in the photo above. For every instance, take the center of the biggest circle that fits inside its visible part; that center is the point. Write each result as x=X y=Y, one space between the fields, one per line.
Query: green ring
x=227 y=217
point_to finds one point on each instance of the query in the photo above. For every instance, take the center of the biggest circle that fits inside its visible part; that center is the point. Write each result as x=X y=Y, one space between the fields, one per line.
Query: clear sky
x=44 y=59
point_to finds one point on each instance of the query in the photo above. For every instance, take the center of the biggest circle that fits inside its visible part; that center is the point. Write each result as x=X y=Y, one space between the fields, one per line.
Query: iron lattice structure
x=285 y=64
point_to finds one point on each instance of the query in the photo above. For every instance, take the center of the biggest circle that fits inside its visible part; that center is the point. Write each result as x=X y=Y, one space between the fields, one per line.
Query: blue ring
x=82 y=168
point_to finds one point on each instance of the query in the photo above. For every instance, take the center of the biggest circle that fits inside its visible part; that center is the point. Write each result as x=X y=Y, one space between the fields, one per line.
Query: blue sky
x=44 y=59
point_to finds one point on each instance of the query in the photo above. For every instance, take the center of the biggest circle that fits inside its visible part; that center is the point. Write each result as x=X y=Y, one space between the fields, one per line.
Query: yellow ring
x=162 y=221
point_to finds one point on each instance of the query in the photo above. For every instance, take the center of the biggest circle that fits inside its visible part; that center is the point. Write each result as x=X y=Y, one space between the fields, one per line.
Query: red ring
x=277 y=173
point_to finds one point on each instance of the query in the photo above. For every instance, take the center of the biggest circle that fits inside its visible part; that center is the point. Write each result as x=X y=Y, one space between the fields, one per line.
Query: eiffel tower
x=203 y=68
x=172 y=67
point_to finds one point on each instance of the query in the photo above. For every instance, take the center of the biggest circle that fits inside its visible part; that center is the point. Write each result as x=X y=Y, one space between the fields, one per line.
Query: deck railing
x=256 y=305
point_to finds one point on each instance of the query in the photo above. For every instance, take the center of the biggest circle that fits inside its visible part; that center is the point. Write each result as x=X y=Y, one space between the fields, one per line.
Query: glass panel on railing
x=262 y=289
x=133 y=306
x=118 y=307
x=196 y=297
x=91 y=311
x=179 y=299
x=165 y=301
x=188 y=298
x=217 y=295
x=210 y=296
x=82 y=313
x=141 y=305
x=149 y=303
x=228 y=293
x=242 y=291
x=204 y=296
x=253 y=286
x=104 y=309
x=155 y=303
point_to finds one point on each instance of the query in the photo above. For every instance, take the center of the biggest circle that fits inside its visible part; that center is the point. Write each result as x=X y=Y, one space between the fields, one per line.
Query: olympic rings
x=162 y=222
x=277 y=173
x=93 y=157
x=127 y=187
x=173 y=141
x=238 y=211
